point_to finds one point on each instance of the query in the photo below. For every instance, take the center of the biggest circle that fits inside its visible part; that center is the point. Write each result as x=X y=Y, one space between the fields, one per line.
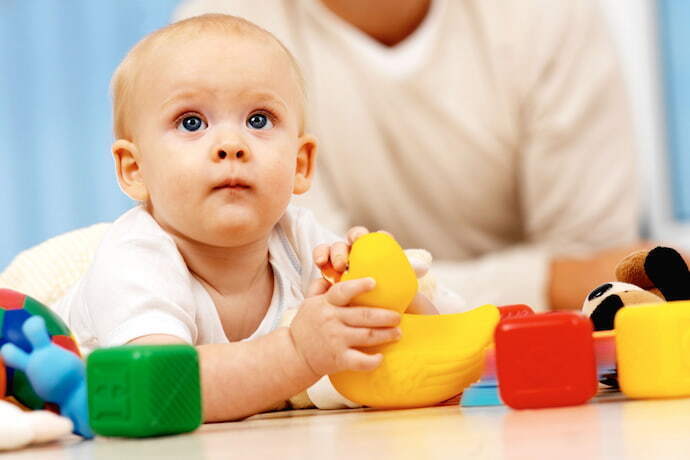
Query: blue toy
x=57 y=375
x=15 y=308
x=482 y=393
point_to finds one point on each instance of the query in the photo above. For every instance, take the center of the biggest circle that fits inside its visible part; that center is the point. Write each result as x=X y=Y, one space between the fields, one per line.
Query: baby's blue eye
x=259 y=121
x=191 y=123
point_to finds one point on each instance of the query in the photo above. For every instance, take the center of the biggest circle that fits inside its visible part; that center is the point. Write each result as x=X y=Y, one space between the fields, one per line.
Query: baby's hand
x=327 y=333
x=332 y=259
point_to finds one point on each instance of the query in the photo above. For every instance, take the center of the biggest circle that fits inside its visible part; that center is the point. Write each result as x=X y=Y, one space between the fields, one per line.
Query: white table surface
x=610 y=426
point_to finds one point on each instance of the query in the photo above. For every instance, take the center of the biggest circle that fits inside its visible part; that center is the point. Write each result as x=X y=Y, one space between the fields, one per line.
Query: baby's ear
x=128 y=169
x=304 y=167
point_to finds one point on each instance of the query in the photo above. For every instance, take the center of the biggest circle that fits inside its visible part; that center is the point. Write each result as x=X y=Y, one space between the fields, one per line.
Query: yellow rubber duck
x=438 y=355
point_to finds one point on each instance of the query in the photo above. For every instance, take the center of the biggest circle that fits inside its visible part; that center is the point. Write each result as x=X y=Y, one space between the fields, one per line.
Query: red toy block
x=515 y=311
x=545 y=360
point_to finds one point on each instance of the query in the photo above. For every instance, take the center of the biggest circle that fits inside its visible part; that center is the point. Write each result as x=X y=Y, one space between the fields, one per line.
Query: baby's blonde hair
x=124 y=79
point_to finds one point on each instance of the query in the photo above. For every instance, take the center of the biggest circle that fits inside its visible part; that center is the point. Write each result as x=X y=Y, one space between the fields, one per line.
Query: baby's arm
x=244 y=378
x=240 y=379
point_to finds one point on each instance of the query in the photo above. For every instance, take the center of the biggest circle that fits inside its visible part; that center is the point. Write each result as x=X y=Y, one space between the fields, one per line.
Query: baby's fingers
x=356 y=232
x=317 y=287
x=369 y=337
x=342 y=293
x=355 y=360
x=321 y=254
x=368 y=317
x=338 y=254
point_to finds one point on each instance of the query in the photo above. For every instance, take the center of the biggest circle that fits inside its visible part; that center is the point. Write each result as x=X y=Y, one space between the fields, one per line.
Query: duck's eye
x=598 y=292
x=259 y=121
x=191 y=123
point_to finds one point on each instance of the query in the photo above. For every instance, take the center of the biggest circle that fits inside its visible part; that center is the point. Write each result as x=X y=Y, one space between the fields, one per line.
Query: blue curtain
x=674 y=18
x=56 y=60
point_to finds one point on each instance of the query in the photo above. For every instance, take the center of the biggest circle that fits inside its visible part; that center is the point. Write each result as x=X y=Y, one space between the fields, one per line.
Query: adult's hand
x=573 y=278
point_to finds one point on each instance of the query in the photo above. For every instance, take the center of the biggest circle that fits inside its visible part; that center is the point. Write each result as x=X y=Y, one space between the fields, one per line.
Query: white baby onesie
x=138 y=283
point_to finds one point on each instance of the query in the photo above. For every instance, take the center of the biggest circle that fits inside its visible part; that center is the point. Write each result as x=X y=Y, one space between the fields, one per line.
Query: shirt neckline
x=275 y=308
x=271 y=317
x=399 y=60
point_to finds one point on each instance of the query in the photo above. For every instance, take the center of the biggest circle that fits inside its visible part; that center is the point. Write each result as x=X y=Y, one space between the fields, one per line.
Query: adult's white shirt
x=495 y=136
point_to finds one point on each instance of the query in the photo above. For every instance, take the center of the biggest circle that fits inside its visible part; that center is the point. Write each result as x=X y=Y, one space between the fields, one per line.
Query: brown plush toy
x=659 y=275
x=661 y=271
x=654 y=276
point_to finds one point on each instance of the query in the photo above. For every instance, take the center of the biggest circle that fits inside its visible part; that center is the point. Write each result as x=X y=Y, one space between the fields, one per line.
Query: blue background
x=56 y=60
x=674 y=27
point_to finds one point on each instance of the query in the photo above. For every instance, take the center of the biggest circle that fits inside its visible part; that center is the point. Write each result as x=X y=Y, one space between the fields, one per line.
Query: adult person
x=495 y=134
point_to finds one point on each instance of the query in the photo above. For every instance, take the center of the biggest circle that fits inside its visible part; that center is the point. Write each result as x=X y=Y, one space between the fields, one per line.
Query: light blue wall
x=56 y=59
x=674 y=16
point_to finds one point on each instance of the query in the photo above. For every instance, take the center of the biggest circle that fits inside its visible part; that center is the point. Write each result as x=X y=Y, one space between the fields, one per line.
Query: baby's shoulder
x=134 y=226
x=136 y=242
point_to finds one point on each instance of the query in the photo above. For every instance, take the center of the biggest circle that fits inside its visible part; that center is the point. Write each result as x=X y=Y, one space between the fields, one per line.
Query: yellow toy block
x=653 y=349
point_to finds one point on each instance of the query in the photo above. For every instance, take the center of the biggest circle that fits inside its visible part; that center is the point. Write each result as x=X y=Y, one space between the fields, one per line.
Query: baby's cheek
x=281 y=176
x=179 y=194
x=178 y=187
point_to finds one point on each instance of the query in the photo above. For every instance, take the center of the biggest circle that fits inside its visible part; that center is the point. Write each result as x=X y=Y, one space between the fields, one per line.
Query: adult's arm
x=577 y=181
x=578 y=172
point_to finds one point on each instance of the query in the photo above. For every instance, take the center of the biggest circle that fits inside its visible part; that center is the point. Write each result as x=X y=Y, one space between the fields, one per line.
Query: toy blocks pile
x=132 y=391
x=555 y=359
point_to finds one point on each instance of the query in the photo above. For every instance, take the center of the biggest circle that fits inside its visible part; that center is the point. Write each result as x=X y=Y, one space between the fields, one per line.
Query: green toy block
x=144 y=390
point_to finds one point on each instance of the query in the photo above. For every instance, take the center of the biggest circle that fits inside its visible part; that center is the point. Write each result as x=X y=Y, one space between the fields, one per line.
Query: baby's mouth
x=232 y=187
x=233 y=184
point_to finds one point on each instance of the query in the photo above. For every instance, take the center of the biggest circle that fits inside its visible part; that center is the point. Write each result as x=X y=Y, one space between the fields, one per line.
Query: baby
x=210 y=140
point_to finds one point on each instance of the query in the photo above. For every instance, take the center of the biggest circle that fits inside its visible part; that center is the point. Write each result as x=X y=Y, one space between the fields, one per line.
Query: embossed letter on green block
x=144 y=390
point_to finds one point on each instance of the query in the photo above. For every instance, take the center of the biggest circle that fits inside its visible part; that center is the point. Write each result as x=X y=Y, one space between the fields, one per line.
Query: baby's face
x=217 y=127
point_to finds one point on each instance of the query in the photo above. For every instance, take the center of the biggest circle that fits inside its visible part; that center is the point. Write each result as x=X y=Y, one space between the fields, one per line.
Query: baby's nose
x=223 y=154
